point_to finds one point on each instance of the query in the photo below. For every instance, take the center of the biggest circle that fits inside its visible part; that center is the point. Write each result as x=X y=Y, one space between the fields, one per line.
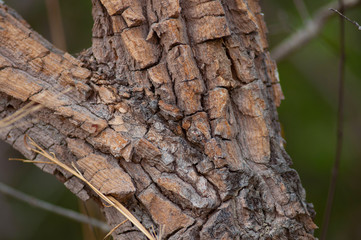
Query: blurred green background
x=308 y=117
x=308 y=114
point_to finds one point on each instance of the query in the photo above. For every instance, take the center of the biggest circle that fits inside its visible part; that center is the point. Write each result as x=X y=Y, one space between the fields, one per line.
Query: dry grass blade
x=111 y=231
x=26 y=110
x=108 y=199
x=107 y=205
x=160 y=233
x=28 y=161
x=130 y=216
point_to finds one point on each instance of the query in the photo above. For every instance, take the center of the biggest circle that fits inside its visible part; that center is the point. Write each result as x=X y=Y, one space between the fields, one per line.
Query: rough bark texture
x=172 y=111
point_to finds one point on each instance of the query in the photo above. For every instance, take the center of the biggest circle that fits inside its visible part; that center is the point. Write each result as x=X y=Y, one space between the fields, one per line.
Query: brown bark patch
x=163 y=211
x=106 y=177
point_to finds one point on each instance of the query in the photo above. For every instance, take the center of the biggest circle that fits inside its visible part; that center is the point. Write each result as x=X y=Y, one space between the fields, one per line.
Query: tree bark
x=172 y=111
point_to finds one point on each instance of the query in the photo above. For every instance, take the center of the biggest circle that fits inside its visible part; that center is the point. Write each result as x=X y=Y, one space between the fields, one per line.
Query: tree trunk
x=172 y=111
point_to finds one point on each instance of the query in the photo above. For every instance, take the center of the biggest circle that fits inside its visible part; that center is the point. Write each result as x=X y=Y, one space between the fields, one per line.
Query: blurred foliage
x=308 y=118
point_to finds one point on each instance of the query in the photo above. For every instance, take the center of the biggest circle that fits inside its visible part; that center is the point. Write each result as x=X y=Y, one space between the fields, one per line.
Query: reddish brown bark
x=172 y=111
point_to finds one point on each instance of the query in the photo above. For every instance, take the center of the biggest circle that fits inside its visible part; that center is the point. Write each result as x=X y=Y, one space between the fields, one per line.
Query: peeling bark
x=172 y=111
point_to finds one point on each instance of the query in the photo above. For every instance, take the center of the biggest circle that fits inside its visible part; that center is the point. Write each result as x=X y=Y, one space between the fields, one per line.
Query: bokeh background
x=308 y=117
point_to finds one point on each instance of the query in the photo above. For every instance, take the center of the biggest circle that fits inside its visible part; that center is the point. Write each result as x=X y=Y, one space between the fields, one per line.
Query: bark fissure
x=172 y=111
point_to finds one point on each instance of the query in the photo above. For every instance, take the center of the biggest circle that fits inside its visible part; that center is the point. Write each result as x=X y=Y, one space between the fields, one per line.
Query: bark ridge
x=172 y=111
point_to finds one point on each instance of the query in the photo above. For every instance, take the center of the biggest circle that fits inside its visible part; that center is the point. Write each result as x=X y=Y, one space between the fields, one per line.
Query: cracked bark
x=172 y=111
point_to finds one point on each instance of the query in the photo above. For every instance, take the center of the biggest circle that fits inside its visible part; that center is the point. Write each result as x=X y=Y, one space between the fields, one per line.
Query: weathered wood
x=172 y=111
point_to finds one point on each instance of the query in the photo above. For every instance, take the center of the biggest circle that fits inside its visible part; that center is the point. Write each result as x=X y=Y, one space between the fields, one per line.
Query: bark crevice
x=172 y=111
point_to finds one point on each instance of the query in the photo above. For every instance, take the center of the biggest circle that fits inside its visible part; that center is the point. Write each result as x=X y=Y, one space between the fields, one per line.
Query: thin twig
x=339 y=140
x=52 y=208
x=351 y=21
x=309 y=31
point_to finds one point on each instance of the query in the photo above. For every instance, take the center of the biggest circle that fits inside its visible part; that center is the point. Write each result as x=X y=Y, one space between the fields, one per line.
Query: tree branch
x=309 y=31
x=32 y=69
x=52 y=208
x=185 y=133
x=302 y=10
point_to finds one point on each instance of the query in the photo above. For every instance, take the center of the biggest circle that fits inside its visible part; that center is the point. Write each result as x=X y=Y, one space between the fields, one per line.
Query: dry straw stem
x=29 y=161
x=111 y=231
x=108 y=199
x=32 y=107
x=26 y=110
x=160 y=233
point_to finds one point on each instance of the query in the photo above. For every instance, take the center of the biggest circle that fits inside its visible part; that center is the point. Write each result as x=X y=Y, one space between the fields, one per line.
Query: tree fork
x=172 y=111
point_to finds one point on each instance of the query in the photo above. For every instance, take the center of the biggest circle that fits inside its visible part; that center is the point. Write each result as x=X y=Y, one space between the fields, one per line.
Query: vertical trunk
x=174 y=114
